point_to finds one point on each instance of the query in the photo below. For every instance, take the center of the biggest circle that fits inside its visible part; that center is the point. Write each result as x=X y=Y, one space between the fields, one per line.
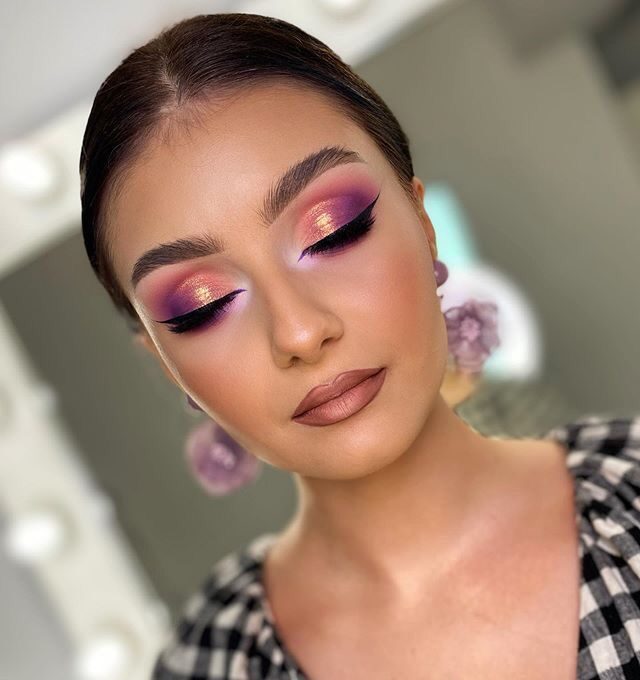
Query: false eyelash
x=209 y=312
x=349 y=233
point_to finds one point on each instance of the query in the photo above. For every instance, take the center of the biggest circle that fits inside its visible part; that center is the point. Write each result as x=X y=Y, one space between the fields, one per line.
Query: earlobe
x=418 y=189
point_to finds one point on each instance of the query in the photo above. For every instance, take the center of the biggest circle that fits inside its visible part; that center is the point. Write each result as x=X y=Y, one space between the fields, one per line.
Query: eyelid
x=364 y=215
x=210 y=305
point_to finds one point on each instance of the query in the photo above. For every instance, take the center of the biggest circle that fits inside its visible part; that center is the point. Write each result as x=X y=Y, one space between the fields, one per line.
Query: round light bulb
x=107 y=656
x=37 y=535
x=343 y=7
x=28 y=172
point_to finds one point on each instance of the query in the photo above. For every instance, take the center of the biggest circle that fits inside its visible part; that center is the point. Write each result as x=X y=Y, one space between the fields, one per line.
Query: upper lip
x=341 y=383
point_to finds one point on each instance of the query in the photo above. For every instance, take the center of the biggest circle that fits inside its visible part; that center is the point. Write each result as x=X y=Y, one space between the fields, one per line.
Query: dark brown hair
x=182 y=67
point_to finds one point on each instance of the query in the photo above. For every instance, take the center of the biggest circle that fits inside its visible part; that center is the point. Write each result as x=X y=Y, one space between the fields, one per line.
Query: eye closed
x=209 y=313
x=349 y=233
x=342 y=237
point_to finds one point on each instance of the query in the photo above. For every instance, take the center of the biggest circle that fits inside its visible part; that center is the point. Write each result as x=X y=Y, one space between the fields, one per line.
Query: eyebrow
x=282 y=192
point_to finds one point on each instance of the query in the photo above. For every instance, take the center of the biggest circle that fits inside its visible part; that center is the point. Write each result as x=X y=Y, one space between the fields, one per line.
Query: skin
x=403 y=492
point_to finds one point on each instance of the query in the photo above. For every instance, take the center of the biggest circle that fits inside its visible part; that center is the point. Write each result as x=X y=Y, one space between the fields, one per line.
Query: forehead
x=214 y=172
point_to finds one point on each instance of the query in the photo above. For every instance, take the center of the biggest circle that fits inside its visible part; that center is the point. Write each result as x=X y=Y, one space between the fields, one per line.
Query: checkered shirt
x=226 y=629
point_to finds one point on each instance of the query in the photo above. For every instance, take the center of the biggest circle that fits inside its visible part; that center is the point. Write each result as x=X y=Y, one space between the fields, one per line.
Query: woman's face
x=296 y=317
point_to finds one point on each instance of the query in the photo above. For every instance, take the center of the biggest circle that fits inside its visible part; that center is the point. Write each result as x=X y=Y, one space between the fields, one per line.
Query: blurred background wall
x=529 y=111
x=536 y=144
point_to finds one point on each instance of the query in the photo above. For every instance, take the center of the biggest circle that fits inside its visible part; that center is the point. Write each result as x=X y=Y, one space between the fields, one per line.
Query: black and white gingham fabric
x=226 y=630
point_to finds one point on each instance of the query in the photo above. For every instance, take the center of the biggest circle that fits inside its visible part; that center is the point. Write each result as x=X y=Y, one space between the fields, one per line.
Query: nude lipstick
x=347 y=394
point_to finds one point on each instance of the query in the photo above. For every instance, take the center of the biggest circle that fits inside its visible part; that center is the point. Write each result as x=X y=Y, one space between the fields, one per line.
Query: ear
x=418 y=190
x=143 y=339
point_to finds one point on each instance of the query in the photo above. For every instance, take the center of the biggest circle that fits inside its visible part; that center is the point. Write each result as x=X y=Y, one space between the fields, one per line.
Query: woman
x=250 y=204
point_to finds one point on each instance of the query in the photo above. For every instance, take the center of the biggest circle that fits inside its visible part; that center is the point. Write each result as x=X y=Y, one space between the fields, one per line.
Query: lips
x=340 y=384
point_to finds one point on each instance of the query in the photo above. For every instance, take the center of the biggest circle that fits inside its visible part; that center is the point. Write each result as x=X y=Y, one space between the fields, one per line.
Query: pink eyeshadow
x=194 y=292
x=328 y=215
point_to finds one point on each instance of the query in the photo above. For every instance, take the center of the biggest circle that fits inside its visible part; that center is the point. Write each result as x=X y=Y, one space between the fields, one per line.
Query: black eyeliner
x=208 y=312
x=346 y=234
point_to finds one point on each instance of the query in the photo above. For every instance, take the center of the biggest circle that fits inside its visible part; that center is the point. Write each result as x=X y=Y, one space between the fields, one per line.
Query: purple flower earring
x=471 y=328
x=216 y=460
x=441 y=272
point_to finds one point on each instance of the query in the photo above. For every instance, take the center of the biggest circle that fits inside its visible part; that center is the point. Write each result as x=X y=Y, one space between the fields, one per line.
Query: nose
x=301 y=324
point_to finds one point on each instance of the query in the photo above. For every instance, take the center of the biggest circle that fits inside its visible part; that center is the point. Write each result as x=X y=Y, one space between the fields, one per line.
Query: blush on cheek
x=232 y=381
x=408 y=297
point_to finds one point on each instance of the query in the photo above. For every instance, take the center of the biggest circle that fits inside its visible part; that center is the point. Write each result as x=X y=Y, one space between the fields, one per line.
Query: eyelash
x=208 y=313
x=345 y=235
x=336 y=241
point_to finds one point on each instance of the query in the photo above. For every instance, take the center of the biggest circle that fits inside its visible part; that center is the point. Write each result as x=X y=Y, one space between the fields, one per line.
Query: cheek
x=230 y=376
x=212 y=364
x=399 y=290
x=229 y=369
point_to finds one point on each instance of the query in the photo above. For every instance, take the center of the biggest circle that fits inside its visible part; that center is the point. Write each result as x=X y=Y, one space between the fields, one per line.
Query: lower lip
x=346 y=404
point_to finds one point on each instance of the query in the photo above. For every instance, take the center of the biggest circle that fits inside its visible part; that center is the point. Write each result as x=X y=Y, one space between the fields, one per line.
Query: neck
x=382 y=527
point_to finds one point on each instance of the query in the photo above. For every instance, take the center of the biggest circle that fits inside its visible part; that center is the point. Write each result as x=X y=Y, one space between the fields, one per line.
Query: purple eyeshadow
x=333 y=213
x=192 y=294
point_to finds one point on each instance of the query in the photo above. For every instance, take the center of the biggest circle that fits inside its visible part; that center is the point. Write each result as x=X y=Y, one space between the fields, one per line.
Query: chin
x=350 y=463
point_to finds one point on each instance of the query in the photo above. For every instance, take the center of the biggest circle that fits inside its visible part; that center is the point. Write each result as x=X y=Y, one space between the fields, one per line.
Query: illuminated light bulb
x=343 y=7
x=108 y=655
x=37 y=535
x=28 y=172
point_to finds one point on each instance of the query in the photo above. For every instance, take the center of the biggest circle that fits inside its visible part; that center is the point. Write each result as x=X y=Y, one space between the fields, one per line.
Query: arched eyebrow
x=284 y=190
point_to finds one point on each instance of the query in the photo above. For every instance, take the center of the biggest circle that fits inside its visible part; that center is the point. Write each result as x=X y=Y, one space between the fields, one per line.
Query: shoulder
x=219 y=622
x=600 y=430
x=603 y=455
x=601 y=443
